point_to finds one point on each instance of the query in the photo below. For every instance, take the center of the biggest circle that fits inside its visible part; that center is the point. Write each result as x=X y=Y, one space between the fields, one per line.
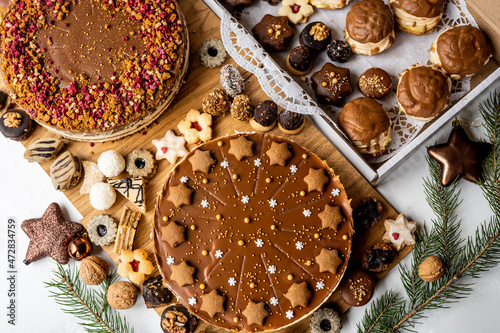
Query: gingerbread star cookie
x=135 y=265
x=400 y=232
x=212 y=303
x=316 y=180
x=331 y=217
x=173 y=233
x=255 y=313
x=180 y=195
x=241 y=147
x=182 y=274
x=298 y=294
x=328 y=260
x=201 y=161
x=170 y=147
x=196 y=126
x=278 y=153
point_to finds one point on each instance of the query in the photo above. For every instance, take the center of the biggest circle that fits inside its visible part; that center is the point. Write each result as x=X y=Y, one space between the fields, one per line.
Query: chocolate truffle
x=242 y=108
x=216 y=103
x=378 y=258
x=273 y=32
x=366 y=124
x=331 y=84
x=357 y=288
x=290 y=122
x=155 y=293
x=367 y=213
x=264 y=116
x=316 y=36
x=16 y=125
x=375 y=83
x=339 y=51
x=417 y=17
x=231 y=81
x=299 y=61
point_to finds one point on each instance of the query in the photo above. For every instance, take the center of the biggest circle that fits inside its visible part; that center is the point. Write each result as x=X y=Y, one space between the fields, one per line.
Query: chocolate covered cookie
x=316 y=36
x=290 y=122
x=357 y=288
x=273 y=32
x=265 y=115
x=299 y=61
x=16 y=125
x=375 y=83
x=331 y=84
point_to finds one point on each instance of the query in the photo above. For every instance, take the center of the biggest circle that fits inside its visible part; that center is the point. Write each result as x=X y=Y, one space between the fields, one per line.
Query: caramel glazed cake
x=252 y=232
x=93 y=70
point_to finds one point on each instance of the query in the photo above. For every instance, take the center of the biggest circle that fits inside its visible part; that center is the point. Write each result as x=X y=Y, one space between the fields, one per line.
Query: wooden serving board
x=204 y=24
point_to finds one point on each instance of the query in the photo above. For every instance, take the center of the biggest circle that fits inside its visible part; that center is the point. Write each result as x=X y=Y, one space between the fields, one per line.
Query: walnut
x=12 y=119
x=319 y=31
x=174 y=322
x=431 y=269
x=122 y=295
x=93 y=270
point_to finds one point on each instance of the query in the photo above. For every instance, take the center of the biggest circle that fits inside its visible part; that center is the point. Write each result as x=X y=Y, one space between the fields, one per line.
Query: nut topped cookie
x=261 y=248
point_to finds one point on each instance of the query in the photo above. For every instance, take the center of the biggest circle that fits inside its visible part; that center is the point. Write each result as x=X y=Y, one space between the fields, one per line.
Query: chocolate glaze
x=331 y=84
x=266 y=113
x=19 y=133
x=273 y=32
x=249 y=263
x=357 y=288
x=312 y=41
x=420 y=8
x=290 y=120
x=462 y=50
x=369 y=21
x=300 y=58
x=375 y=83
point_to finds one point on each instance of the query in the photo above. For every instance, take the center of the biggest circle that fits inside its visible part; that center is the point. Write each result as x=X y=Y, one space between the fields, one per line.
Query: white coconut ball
x=102 y=196
x=111 y=163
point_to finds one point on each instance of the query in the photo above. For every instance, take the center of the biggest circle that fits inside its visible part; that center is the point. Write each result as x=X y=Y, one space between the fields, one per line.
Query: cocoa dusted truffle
x=331 y=84
x=242 y=108
x=290 y=122
x=273 y=32
x=216 y=103
x=316 y=36
x=339 y=51
x=299 y=61
x=265 y=115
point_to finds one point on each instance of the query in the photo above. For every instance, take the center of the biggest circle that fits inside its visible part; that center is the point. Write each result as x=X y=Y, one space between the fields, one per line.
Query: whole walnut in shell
x=122 y=295
x=431 y=269
x=93 y=270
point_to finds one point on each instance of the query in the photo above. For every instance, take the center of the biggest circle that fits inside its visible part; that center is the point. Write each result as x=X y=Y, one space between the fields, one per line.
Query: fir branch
x=382 y=311
x=91 y=307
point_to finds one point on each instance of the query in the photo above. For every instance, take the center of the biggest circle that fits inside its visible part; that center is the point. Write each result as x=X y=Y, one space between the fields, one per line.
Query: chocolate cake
x=252 y=232
x=92 y=70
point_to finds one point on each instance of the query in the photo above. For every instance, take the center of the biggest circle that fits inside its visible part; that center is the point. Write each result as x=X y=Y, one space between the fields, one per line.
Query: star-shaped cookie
x=255 y=313
x=179 y=195
x=331 y=217
x=316 y=180
x=212 y=303
x=400 y=232
x=241 y=147
x=173 y=234
x=298 y=294
x=49 y=235
x=201 y=161
x=170 y=147
x=328 y=260
x=182 y=274
x=278 y=153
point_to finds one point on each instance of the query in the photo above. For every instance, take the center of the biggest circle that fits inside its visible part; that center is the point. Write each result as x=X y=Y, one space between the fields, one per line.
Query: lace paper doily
x=293 y=94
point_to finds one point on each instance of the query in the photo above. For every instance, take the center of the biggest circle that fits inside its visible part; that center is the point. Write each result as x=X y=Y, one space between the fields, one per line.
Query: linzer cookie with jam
x=254 y=236
x=89 y=75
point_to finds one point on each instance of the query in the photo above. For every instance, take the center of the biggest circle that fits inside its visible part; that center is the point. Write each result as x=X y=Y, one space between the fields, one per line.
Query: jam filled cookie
x=299 y=61
x=196 y=126
x=16 y=125
x=400 y=232
x=43 y=149
x=325 y=320
x=265 y=115
x=331 y=84
x=290 y=122
x=171 y=146
x=273 y=33
x=316 y=36
x=231 y=81
x=212 y=53
x=375 y=83
x=65 y=172
x=102 y=229
x=297 y=11
x=141 y=163
x=135 y=265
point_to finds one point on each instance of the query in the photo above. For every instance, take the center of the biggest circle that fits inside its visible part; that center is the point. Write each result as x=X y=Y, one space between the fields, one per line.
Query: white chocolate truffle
x=102 y=196
x=111 y=163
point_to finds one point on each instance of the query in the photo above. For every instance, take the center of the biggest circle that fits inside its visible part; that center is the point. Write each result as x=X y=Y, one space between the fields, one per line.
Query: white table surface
x=27 y=191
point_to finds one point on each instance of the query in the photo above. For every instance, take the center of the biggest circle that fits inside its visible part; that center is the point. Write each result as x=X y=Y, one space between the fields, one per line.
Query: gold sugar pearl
x=316 y=235
x=345 y=237
x=246 y=219
x=192 y=227
x=218 y=216
x=304 y=156
x=308 y=263
x=202 y=286
x=332 y=73
x=235 y=176
x=290 y=277
x=324 y=84
x=241 y=243
x=204 y=252
x=205 y=181
x=268 y=180
x=270 y=31
x=220 y=143
x=302 y=193
x=252 y=285
x=273 y=227
x=334 y=80
x=165 y=218
x=236 y=319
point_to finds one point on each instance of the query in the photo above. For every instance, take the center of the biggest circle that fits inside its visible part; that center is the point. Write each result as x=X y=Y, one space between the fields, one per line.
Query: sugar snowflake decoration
x=293 y=168
x=336 y=192
x=170 y=260
x=273 y=203
x=204 y=203
x=224 y=164
x=289 y=314
x=192 y=301
x=272 y=269
x=307 y=212
x=257 y=162
x=274 y=301
x=320 y=285
x=259 y=242
x=245 y=199
x=232 y=281
x=218 y=254
x=299 y=245
x=184 y=179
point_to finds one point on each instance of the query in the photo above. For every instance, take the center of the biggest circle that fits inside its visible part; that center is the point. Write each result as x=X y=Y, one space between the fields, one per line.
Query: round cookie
x=357 y=288
x=418 y=17
x=212 y=53
x=299 y=61
x=216 y=103
x=102 y=196
x=111 y=163
x=290 y=122
x=325 y=320
x=265 y=115
x=366 y=124
x=141 y=163
x=102 y=229
x=332 y=84
x=316 y=36
x=242 y=108
x=231 y=81
x=375 y=83
x=339 y=51
x=16 y=125
x=236 y=222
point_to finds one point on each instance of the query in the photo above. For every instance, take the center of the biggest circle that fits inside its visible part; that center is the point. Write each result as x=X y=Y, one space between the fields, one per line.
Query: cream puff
x=369 y=27
x=461 y=51
x=418 y=17
x=423 y=91
x=329 y=4
x=367 y=125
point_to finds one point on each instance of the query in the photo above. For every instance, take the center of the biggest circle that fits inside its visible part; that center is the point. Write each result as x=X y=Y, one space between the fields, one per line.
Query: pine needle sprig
x=90 y=306
x=380 y=317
